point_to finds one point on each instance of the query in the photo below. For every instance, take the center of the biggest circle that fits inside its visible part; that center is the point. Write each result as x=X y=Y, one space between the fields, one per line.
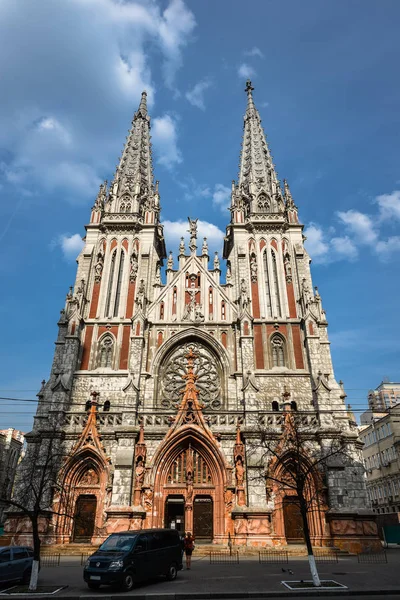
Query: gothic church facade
x=158 y=386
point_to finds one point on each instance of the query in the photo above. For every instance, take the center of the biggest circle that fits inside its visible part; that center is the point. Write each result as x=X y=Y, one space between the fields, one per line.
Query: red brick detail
x=123 y=359
x=162 y=311
x=298 y=353
x=224 y=338
x=125 y=244
x=246 y=328
x=255 y=300
x=130 y=299
x=137 y=331
x=87 y=345
x=274 y=244
x=291 y=300
x=271 y=329
x=187 y=297
x=73 y=328
x=263 y=243
x=210 y=300
x=95 y=300
x=113 y=244
x=311 y=328
x=258 y=346
x=104 y=329
x=159 y=338
x=174 y=300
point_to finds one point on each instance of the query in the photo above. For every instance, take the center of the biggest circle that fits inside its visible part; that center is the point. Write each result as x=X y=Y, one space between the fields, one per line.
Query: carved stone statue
x=158 y=274
x=288 y=268
x=253 y=267
x=193 y=234
x=204 y=249
x=133 y=267
x=244 y=299
x=98 y=268
x=170 y=263
x=239 y=471
x=140 y=295
x=216 y=261
x=90 y=477
x=182 y=247
x=148 y=500
x=139 y=474
x=228 y=271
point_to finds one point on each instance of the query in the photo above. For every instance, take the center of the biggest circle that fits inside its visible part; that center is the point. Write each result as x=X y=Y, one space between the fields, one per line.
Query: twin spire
x=258 y=191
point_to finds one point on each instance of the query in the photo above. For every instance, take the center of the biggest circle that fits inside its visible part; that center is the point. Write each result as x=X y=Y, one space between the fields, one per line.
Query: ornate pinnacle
x=142 y=110
x=249 y=87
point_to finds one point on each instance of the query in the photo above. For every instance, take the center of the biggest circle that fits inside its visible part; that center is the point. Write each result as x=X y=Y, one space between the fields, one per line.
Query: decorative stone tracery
x=206 y=368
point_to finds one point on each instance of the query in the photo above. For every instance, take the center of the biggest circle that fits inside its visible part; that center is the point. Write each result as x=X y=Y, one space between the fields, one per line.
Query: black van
x=131 y=556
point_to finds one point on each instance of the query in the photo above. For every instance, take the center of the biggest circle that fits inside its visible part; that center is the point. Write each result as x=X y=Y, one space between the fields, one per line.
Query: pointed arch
x=275 y=278
x=267 y=280
x=106 y=351
x=119 y=282
x=278 y=350
x=110 y=282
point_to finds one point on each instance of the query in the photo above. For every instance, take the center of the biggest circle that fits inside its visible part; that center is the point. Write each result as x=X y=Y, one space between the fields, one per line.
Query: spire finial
x=249 y=87
x=143 y=104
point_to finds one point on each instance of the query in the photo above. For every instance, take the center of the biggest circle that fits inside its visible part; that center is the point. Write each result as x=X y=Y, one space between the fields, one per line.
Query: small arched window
x=106 y=352
x=275 y=406
x=106 y=406
x=278 y=351
x=88 y=406
x=293 y=405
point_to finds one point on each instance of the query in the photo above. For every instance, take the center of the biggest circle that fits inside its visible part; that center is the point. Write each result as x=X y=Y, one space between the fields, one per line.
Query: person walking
x=188 y=544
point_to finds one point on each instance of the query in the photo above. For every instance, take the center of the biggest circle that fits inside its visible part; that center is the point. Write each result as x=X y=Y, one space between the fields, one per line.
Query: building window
x=278 y=351
x=106 y=406
x=223 y=313
x=275 y=406
x=267 y=284
x=88 y=405
x=276 y=284
x=119 y=283
x=293 y=405
x=106 y=352
x=110 y=283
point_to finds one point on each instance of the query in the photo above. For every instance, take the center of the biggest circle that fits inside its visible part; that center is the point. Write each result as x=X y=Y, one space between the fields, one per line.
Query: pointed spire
x=134 y=175
x=258 y=181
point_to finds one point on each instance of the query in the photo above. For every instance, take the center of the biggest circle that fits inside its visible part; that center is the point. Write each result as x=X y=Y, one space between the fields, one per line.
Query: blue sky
x=327 y=87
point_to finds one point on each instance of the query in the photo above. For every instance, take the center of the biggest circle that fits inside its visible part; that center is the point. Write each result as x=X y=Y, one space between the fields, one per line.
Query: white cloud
x=174 y=230
x=245 y=71
x=221 y=196
x=164 y=137
x=360 y=225
x=385 y=248
x=344 y=247
x=71 y=245
x=196 y=95
x=101 y=65
x=254 y=52
x=389 y=206
x=316 y=246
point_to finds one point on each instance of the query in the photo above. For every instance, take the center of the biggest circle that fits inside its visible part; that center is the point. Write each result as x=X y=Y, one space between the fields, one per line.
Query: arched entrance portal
x=85 y=517
x=189 y=489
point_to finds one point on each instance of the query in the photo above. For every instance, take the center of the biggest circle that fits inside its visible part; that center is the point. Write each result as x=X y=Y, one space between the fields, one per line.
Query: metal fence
x=326 y=555
x=224 y=558
x=372 y=558
x=273 y=556
x=50 y=560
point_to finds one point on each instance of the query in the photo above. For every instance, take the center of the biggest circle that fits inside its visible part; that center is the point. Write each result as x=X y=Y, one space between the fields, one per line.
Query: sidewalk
x=248 y=579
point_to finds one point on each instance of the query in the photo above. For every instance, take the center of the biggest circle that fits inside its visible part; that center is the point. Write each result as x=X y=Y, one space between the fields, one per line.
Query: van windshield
x=118 y=543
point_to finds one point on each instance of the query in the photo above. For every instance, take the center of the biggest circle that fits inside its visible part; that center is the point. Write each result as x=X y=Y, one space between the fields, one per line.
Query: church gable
x=193 y=294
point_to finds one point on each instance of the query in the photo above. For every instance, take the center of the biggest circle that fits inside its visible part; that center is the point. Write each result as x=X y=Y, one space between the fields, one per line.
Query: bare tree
x=293 y=465
x=36 y=482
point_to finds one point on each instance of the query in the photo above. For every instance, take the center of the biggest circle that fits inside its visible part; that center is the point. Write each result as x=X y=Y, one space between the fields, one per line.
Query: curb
x=224 y=595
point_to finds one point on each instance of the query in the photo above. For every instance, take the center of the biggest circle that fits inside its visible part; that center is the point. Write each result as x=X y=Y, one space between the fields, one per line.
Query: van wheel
x=128 y=581
x=172 y=572
x=93 y=586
